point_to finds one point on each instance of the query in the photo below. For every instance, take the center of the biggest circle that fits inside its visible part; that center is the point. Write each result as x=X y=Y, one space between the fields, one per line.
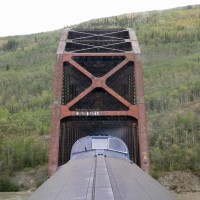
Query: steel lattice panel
x=123 y=82
x=74 y=82
x=98 y=100
x=99 y=65
x=117 y=34
x=73 y=128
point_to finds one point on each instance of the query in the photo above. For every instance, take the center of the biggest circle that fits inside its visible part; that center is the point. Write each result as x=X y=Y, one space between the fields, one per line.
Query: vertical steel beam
x=55 y=127
x=142 y=122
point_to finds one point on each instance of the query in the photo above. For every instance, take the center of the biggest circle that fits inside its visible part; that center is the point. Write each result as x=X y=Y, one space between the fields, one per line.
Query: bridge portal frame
x=137 y=111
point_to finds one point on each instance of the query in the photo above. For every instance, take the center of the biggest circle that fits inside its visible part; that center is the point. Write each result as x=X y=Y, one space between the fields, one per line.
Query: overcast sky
x=19 y=17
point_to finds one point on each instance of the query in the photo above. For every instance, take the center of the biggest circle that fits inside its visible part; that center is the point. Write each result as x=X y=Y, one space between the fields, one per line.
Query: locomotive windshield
x=99 y=145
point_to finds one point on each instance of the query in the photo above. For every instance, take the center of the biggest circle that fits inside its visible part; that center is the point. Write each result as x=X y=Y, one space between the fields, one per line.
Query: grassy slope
x=170 y=43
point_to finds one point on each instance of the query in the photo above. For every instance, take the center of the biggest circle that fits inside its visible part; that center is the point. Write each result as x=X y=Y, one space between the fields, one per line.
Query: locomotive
x=100 y=169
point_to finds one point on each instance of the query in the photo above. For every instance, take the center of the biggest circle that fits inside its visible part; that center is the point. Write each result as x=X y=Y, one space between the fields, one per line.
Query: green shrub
x=6 y=185
x=11 y=45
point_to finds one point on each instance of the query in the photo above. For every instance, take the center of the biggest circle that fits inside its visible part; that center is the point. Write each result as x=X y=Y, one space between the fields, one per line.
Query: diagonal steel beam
x=115 y=69
x=81 y=69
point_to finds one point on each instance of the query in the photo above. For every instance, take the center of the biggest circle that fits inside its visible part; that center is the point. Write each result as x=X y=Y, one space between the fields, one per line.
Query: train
x=100 y=169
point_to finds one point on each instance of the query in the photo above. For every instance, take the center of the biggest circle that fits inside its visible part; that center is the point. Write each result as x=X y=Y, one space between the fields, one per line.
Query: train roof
x=100 y=178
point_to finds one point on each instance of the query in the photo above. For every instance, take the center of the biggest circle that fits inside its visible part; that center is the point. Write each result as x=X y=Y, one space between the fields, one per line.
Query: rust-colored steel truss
x=98 y=88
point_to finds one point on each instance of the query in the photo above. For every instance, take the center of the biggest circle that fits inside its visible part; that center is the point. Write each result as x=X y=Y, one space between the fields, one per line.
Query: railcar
x=100 y=169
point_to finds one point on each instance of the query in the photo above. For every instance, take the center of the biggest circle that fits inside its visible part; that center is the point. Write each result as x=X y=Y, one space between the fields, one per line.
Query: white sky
x=19 y=17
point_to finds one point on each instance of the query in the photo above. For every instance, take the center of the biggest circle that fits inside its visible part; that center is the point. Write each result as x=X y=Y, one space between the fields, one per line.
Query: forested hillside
x=170 y=44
